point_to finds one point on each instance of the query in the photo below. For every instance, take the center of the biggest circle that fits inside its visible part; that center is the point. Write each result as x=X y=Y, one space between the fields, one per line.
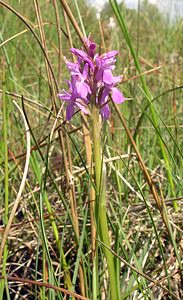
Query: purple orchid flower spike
x=91 y=75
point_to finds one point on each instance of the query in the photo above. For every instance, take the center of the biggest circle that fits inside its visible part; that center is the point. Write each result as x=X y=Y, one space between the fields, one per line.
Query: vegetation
x=51 y=246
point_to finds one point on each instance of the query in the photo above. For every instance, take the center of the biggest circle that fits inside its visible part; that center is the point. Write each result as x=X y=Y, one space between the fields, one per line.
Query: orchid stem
x=101 y=214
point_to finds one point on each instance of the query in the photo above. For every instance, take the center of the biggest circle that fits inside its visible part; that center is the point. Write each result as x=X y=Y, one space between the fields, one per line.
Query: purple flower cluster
x=91 y=81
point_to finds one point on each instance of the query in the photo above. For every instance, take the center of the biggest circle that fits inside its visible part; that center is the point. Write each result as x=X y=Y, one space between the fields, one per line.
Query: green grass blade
x=6 y=184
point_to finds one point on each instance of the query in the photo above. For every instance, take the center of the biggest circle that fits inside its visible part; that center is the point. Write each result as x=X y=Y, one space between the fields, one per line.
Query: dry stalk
x=88 y=147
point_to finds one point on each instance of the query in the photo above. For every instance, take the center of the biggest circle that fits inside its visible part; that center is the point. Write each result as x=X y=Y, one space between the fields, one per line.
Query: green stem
x=100 y=178
x=6 y=189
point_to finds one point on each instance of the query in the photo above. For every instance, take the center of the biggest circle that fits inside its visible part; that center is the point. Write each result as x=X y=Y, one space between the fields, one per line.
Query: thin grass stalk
x=8 y=63
x=59 y=40
x=79 y=252
x=44 y=271
x=102 y=35
x=68 y=32
x=138 y=27
x=80 y=18
x=101 y=215
x=71 y=186
x=6 y=185
x=41 y=284
x=174 y=105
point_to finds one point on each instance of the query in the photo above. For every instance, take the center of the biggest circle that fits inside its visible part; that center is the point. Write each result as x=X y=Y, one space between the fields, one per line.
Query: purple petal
x=109 y=54
x=80 y=60
x=64 y=96
x=89 y=44
x=106 y=60
x=105 y=95
x=90 y=63
x=59 y=96
x=69 y=111
x=98 y=75
x=111 y=67
x=80 y=104
x=83 y=56
x=105 y=112
x=108 y=77
x=108 y=63
x=82 y=89
x=85 y=71
x=73 y=67
x=117 y=96
x=92 y=46
x=117 y=79
x=97 y=60
x=92 y=50
x=70 y=85
x=78 y=52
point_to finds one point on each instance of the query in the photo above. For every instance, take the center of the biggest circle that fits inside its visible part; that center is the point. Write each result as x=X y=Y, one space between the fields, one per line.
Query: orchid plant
x=91 y=83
